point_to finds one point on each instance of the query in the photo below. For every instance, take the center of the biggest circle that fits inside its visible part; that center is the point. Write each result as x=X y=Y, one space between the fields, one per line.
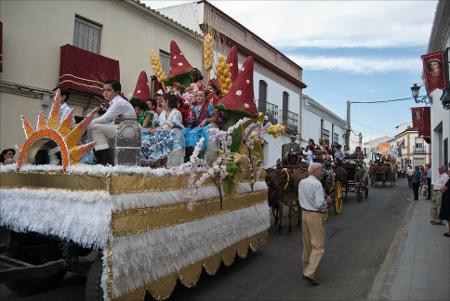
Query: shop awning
x=85 y=71
x=421 y=119
x=1 y=46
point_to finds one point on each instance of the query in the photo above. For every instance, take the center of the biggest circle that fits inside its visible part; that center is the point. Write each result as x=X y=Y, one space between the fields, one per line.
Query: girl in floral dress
x=202 y=118
x=158 y=143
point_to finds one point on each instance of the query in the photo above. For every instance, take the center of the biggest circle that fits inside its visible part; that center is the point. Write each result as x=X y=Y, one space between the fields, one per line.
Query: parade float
x=134 y=230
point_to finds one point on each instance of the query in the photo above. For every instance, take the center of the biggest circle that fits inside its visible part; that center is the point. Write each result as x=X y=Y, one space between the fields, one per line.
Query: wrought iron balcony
x=420 y=151
x=272 y=112
x=292 y=122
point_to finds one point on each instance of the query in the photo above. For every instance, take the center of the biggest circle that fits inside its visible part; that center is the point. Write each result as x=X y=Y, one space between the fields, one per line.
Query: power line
x=382 y=101
x=369 y=127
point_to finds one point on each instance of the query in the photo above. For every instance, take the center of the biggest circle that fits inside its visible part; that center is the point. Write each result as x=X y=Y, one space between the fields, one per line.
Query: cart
x=354 y=176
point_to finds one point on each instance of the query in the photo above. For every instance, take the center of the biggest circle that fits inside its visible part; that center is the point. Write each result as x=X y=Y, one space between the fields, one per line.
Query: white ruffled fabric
x=142 y=258
x=157 y=199
x=83 y=217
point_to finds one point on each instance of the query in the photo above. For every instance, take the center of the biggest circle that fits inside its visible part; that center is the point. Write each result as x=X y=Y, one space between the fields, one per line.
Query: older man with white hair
x=437 y=196
x=313 y=203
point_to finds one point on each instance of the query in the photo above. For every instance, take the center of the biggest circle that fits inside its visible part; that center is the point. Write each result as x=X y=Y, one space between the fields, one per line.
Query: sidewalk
x=417 y=266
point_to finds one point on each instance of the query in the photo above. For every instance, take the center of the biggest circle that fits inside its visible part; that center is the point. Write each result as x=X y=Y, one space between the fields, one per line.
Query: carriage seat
x=126 y=146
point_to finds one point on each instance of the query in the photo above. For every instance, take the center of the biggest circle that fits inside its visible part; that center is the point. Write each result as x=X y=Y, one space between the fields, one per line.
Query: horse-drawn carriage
x=283 y=181
x=353 y=174
x=382 y=173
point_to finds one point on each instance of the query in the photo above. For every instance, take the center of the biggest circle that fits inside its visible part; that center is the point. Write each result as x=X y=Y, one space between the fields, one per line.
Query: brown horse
x=283 y=191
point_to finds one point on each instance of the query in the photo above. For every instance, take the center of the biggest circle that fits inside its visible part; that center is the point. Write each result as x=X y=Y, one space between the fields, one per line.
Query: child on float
x=157 y=144
x=147 y=119
x=201 y=119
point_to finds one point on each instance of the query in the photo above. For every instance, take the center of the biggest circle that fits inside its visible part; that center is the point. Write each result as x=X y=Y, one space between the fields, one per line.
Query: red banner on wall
x=421 y=121
x=85 y=71
x=434 y=71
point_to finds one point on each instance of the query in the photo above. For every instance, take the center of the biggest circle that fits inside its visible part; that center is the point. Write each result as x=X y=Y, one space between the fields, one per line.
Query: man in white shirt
x=64 y=109
x=437 y=196
x=313 y=203
x=103 y=127
x=409 y=173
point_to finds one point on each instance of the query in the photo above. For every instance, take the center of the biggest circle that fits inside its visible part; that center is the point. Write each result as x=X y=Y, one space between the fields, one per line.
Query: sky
x=349 y=50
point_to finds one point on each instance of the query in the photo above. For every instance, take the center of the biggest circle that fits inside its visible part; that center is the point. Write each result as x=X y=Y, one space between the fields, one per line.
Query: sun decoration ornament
x=66 y=137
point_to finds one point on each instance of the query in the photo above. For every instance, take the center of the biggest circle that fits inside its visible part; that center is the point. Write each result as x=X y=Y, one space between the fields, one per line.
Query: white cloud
x=357 y=64
x=332 y=24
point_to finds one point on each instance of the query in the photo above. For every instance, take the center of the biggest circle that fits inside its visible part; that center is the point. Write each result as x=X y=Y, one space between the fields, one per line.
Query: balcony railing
x=420 y=151
x=292 y=123
x=272 y=112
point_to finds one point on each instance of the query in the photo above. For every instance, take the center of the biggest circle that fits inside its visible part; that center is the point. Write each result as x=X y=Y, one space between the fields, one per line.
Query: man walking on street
x=415 y=180
x=437 y=196
x=409 y=173
x=313 y=203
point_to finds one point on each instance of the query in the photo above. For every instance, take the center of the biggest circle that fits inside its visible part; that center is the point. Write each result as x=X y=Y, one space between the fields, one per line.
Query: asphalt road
x=356 y=245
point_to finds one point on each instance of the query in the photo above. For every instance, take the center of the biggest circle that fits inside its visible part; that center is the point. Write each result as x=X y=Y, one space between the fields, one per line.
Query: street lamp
x=446 y=99
x=419 y=99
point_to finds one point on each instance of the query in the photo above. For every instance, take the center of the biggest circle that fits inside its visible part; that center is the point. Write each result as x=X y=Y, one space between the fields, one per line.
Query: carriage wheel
x=359 y=193
x=338 y=197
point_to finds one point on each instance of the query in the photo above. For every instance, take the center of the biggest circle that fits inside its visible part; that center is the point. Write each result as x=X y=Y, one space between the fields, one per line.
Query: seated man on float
x=358 y=153
x=104 y=127
x=338 y=154
x=291 y=152
x=202 y=118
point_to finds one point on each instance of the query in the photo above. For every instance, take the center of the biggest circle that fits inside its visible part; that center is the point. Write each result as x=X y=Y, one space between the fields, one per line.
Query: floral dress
x=164 y=140
x=193 y=135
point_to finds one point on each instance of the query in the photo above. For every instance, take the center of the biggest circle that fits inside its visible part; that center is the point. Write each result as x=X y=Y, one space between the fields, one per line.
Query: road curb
x=382 y=283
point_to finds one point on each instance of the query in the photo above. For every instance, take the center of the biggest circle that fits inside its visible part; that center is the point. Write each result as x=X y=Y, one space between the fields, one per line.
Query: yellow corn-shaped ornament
x=223 y=75
x=208 y=51
x=157 y=68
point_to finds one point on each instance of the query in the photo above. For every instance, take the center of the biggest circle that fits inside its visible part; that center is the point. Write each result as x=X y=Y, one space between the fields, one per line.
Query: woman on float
x=146 y=118
x=202 y=118
x=158 y=143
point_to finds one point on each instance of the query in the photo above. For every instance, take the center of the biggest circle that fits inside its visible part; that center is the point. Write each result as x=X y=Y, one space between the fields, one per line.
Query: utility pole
x=349 y=126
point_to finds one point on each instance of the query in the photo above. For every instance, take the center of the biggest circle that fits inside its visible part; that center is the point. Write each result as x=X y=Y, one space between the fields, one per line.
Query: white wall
x=312 y=123
x=439 y=117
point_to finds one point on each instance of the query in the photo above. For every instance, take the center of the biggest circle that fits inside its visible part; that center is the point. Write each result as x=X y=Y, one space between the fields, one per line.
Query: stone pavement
x=417 y=266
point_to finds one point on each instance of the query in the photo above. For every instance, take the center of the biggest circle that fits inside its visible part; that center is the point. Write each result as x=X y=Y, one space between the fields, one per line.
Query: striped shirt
x=311 y=195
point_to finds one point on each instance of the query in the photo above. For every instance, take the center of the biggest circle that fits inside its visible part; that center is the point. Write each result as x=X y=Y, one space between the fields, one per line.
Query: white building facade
x=412 y=149
x=372 y=148
x=321 y=124
x=440 y=117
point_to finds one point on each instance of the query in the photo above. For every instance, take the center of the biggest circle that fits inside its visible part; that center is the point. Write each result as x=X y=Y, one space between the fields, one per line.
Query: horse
x=283 y=191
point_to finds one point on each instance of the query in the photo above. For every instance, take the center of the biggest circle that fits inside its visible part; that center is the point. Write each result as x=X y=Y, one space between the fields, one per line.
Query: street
x=357 y=243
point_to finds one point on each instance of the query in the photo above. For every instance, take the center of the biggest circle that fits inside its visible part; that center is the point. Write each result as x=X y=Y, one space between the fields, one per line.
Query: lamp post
x=419 y=99
x=445 y=98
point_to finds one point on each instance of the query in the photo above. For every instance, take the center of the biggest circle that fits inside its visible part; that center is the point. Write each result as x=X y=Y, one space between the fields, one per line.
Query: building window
x=335 y=138
x=262 y=96
x=285 y=106
x=87 y=34
x=164 y=58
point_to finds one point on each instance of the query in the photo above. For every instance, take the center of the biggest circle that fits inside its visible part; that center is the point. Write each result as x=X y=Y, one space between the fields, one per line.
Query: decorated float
x=134 y=230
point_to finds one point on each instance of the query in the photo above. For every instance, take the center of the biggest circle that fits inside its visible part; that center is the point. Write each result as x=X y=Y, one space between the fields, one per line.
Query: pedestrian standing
x=409 y=173
x=313 y=203
x=445 y=207
x=429 y=182
x=437 y=196
x=415 y=181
